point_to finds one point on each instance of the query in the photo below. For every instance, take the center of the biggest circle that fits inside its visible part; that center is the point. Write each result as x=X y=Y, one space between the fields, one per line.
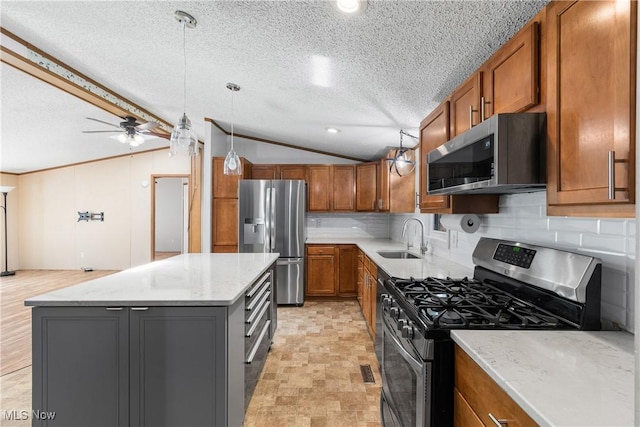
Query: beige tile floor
x=311 y=377
x=312 y=374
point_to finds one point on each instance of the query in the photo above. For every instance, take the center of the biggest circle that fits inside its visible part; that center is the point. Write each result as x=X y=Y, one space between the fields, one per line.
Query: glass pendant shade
x=232 y=163
x=183 y=138
x=402 y=163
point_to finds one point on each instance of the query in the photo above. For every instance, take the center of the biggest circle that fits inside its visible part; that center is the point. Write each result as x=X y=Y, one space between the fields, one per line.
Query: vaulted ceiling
x=302 y=67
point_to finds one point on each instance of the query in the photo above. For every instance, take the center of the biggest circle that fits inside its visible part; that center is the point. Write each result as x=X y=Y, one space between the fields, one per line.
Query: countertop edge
x=36 y=302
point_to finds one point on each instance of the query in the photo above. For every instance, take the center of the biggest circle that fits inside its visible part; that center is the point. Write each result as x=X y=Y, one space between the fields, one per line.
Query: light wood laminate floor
x=311 y=376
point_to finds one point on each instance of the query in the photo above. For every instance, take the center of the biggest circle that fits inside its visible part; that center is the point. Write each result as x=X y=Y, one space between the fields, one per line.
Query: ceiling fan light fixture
x=183 y=137
x=232 y=163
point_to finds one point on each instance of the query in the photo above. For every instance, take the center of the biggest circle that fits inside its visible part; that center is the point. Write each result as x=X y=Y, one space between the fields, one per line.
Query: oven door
x=406 y=380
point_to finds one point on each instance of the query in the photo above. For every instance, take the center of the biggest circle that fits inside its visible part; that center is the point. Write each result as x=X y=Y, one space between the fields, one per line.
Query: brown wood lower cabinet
x=347 y=261
x=369 y=291
x=477 y=398
x=321 y=270
x=331 y=270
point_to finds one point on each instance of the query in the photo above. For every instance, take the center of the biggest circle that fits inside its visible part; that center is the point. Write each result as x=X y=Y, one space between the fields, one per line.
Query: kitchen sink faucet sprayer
x=423 y=245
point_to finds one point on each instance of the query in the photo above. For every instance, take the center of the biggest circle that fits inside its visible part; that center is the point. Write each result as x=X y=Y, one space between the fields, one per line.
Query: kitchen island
x=166 y=343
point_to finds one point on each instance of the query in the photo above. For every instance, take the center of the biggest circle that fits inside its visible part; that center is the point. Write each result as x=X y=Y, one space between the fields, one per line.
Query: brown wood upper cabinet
x=396 y=194
x=293 y=172
x=434 y=131
x=366 y=187
x=464 y=105
x=284 y=171
x=344 y=187
x=331 y=188
x=511 y=78
x=591 y=74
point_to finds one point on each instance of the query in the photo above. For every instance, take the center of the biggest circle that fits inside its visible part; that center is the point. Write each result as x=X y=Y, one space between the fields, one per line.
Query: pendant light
x=403 y=162
x=183 y=138
x=232 y=163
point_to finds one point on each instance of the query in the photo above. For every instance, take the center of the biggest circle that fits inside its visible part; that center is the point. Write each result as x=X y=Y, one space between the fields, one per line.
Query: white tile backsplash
x=347 y=225
x=523 y=217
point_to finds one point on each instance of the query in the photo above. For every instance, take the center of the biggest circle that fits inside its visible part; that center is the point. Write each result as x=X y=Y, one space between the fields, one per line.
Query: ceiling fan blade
x=147 y=126
x=101 y=131
x=102 y=121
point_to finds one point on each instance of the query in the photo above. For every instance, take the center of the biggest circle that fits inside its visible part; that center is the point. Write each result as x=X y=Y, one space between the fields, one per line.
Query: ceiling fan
x=130 y=131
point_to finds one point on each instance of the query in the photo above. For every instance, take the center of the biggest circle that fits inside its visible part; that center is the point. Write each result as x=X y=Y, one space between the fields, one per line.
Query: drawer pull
x=498 y=422
x=139 y=308
x=255 y=325
x=114 y=308
x=256 y=314
x=255 y=300
x=254 y=350
x=256 y=286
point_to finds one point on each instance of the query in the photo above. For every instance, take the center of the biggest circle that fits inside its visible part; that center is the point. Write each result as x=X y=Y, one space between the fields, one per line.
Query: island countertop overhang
x=183 y=280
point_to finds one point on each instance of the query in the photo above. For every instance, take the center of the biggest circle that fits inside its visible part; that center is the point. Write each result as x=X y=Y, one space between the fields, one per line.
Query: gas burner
x=468 y=303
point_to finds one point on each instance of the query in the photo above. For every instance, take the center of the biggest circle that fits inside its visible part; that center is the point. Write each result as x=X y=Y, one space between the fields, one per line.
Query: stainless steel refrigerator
x=271 y=218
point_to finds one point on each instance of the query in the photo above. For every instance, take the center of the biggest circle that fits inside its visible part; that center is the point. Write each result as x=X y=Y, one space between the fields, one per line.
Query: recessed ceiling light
x=332 y=130
x=351 y=7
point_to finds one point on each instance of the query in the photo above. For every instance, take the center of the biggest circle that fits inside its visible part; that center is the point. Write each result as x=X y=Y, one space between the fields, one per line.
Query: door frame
x=186 y=217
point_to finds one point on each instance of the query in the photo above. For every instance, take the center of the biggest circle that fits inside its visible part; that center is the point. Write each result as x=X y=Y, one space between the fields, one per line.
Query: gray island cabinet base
x=178 y=342
x=139 y=366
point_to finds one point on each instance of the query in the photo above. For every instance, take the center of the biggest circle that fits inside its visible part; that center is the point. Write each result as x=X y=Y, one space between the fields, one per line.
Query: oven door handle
x=415 y=364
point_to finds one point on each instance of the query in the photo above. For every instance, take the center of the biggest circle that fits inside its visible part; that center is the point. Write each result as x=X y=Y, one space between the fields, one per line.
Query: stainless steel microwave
x=503 y=154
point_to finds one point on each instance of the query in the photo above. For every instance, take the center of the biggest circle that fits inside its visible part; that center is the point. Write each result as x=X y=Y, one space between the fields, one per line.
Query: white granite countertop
x=559 y=378
x=183 y=280
x=429 y=266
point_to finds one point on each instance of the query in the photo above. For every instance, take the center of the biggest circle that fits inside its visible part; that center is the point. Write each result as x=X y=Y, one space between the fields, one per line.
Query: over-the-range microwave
x=503 y=154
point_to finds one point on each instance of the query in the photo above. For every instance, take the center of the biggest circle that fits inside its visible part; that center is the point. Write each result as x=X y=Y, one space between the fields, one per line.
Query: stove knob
x=394 y=312
x=407 y=331
x=401 y=323
x=386 y=300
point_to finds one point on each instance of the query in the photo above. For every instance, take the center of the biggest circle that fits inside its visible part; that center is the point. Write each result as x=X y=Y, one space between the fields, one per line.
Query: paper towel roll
x=469 y=223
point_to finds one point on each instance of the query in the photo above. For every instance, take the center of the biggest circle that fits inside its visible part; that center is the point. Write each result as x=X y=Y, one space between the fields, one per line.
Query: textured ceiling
x=301 y=65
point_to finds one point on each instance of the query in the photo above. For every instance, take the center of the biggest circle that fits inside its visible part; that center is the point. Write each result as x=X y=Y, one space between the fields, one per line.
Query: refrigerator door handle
x=290 y=261
x=272 y=228
x=268 y=225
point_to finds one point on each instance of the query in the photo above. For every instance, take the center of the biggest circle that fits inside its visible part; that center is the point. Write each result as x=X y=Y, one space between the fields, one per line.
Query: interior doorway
x=170 y=216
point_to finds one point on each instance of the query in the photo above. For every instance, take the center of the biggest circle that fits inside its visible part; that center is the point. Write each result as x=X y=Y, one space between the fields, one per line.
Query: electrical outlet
x=454 y=239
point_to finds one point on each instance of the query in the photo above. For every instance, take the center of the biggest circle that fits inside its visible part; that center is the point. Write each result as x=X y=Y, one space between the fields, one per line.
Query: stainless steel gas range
x=515 y=286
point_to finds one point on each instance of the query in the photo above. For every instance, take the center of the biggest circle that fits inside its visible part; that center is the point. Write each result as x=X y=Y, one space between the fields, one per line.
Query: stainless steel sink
x=398 y=255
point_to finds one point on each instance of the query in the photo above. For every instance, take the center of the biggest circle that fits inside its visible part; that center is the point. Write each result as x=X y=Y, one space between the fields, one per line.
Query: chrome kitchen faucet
x=423 y=245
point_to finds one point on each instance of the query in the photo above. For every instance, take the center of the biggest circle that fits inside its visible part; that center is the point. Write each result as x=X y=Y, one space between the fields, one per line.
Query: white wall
x=261 y=152
x=49 y=232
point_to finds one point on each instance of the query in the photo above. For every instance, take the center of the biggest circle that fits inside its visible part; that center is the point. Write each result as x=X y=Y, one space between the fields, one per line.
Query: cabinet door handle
x=139 y=308
x=498 y=422
x=482 y=109
x=471 y=111
x=612 y=174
